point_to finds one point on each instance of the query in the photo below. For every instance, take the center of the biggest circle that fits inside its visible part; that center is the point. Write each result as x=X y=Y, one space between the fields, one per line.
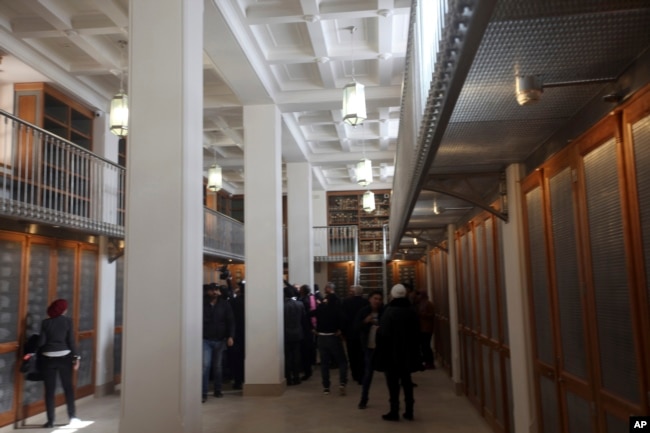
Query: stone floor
x=301 y=409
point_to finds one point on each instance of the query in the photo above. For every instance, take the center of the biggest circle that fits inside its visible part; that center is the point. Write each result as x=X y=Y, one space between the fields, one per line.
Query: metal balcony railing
x=45 y=178
x=222 y=236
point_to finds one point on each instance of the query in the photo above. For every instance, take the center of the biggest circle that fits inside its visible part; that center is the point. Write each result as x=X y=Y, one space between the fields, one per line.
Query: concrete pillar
x=456 y=376
x=300 y=233
x=264 y=363
x=517 y=305
x=161 y=374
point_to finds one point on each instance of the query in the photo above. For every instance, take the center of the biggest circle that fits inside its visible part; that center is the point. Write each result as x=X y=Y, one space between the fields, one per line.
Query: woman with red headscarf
x=58 y=354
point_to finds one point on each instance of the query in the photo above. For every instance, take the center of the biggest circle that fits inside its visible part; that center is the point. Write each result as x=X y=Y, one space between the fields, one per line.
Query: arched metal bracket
x=440 y=184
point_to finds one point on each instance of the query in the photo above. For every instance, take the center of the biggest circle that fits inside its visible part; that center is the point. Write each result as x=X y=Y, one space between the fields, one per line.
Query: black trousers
x=394 y=378
x=292 y=361
x=355 y=357
x=62 y=365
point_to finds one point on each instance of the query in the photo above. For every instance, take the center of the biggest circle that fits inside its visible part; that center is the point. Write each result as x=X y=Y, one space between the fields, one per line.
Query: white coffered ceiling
x=298 y=54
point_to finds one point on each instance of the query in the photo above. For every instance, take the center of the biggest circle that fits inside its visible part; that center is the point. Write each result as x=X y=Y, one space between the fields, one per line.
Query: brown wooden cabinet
x=52 y=110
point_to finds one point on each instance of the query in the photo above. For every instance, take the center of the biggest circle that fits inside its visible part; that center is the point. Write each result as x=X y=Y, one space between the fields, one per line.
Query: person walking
x=294 y=318
x=350 y=307
x=58 y=356
x=398 y=351
x=330 y=347
x=218 y=332
x=367 y=323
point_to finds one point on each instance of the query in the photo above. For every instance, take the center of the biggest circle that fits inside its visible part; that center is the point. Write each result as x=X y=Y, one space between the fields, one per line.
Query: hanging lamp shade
x=364 y=172
x=354 y=104
x=215 y=178
x=368 y=201
x=119 y=114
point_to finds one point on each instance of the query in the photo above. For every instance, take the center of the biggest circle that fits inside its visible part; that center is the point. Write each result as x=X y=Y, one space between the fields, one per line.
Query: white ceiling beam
x=271 y=14
x=114 y=11
x=51 y=12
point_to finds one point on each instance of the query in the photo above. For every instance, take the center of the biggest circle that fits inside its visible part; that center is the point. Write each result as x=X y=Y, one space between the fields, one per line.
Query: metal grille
x=85 y=373
x=482 y=289
x=119 y=291
x=641 y=135
x=579 y=413
x=542 y=312
x=65 y=274
x=616 y=425
x=474 y=309
x=487 y=381
x=616 y=338
x=87 y=290
x=7 y=368
x=502 y=289
x=491 y=282
x=549 y=403
x=10 y=273
x=568 y=280
x=498 y=388
x=117 y=354
x=39 y=272
x=467 y=307
x=471 y=364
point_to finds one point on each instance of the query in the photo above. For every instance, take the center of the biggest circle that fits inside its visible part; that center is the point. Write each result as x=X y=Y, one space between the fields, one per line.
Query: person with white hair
x=398 y=351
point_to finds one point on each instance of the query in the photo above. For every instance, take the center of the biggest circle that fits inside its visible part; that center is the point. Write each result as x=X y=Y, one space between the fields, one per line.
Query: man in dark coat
x=294 y=317
x=398 y=351
x=350 y=307
x=218 y=333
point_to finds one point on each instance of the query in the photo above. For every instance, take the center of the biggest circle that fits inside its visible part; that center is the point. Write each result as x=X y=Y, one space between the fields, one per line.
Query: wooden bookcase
x=345 y=208
x=52 y=110
x=63 y=188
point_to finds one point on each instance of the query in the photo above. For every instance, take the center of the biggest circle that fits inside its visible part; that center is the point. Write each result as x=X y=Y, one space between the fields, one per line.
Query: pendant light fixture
x=354 y=96
x=119 y=114
x=363 y=170
x=215 y=176
x=368 y=201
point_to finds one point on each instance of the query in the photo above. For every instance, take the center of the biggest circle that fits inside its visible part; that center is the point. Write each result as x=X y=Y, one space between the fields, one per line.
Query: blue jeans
x=213 y=356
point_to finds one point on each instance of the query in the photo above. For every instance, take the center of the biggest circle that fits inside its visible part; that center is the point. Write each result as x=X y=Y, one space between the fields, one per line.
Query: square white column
x=162 y=347
x=264 y=363
x=300 y=232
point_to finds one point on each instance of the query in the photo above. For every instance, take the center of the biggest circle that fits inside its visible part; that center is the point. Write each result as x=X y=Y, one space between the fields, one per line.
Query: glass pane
x=579 y=414
x=84 y=374
x=482 y=289
x=568 y=280
x=10 y=269
x=65 y=275
x=37 y=291
x=87 y=290
x=7 y=368
x=117 y=354
x=616 y=337
x=542 y=309
x=119 y=291
x=549 y=403
x=641 y=134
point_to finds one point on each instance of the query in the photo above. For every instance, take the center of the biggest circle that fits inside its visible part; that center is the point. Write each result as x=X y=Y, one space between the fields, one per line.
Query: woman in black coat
x=58 y=355
x=398 y=351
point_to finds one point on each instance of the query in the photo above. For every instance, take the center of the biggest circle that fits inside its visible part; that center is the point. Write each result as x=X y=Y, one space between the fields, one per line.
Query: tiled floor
x=302 y=409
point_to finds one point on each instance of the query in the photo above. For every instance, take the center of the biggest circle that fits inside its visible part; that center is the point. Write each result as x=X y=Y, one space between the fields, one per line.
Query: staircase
x=372 y=276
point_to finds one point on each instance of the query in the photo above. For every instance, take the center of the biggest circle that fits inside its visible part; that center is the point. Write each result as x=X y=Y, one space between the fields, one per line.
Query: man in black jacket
x=218 y=332
x=398 y=351
x=294 y=317
x=330 y=347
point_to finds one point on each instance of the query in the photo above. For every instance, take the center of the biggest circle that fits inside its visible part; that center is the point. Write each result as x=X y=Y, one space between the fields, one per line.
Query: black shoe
x=204 y=398
x=408 y=416
x=390 y=416
x=363 y=404
x=218 y=394
x=48 y=425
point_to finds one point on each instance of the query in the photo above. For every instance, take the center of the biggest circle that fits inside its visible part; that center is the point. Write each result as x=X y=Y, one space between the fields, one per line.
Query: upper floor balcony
x=50 y=180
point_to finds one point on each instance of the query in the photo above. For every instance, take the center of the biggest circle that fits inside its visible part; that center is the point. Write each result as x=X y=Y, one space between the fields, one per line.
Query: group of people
x=394 y=339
